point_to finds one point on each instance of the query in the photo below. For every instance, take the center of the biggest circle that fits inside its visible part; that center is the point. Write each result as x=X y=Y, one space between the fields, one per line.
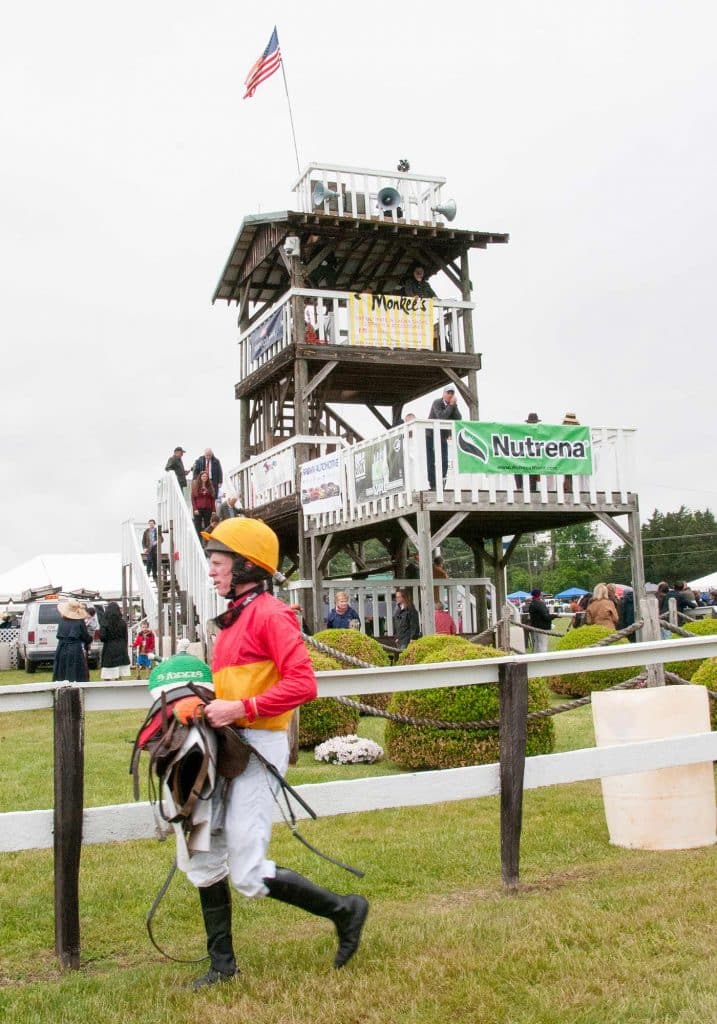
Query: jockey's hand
x=224 y=712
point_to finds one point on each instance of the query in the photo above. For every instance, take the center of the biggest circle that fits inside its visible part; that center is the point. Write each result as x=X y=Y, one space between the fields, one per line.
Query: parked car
x=38 y=635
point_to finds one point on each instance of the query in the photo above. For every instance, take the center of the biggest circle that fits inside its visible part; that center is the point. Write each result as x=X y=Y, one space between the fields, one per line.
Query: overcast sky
x=586 y=131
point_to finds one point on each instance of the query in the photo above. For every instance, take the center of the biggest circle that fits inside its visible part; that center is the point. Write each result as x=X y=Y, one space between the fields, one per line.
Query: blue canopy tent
x=518 y=595
x=572 y=592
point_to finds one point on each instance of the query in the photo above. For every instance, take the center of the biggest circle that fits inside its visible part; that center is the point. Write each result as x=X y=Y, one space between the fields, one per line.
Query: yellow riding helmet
x=251 y=538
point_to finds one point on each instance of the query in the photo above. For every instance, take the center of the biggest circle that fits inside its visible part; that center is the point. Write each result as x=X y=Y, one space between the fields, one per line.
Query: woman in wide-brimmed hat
x=73 y=641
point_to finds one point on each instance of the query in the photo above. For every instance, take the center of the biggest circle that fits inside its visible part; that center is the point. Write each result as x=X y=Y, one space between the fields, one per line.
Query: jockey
x=262 y=672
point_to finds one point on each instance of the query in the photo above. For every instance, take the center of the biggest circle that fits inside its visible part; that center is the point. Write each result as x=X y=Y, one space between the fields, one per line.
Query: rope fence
x=635 y=682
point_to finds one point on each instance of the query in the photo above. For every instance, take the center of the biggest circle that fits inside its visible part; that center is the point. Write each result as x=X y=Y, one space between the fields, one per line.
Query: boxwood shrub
x=706 y=675
x=416 y=747
x=358 y=645
x=583 y=683
x=323 y=718
x=700 y=627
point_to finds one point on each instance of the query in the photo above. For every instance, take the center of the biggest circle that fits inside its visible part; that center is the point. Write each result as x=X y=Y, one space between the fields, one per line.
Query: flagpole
x=291 y=117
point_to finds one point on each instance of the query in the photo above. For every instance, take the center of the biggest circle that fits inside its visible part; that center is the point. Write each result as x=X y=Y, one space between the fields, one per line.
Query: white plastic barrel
x=5 y=661
x=665 y=809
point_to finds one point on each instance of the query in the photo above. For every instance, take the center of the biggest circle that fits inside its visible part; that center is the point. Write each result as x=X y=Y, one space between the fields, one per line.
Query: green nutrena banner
x=522 y=448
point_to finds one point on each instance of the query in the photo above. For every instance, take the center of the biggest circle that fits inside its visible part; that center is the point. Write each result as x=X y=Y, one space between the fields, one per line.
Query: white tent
x=704 y=583
x=95 y=572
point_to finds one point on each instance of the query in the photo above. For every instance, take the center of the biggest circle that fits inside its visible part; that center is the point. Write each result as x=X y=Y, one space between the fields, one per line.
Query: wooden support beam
x=324 y=553
x=432 y=257
x=612 y=525
x=464 y=390
x=380 y=417
x=513 y=696
x=509 y=550
x=320 y=377
x=408 y=530
x=447 y=529
x=69 y=796
x=316 y=260
x=425 y=552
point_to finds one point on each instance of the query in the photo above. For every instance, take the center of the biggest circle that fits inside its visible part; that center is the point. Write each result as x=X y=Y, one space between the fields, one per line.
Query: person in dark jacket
x=73 y=642
x=115 y=650
x=628 y=611
x=405 y=621
x=444 y=408
x=540 y=618
x=209 y=463
x=342 y=615
x=175 y=465
x=415 y=284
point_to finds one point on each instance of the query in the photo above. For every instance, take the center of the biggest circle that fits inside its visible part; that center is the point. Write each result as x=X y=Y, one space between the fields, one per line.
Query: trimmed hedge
x=416 y=747
x=358 y=645
x=706 y=675
x=323 y=718
x=700 y=627
x=583 y=683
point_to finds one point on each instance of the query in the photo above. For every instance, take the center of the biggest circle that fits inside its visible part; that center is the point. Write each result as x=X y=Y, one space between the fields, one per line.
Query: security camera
x=292 y=245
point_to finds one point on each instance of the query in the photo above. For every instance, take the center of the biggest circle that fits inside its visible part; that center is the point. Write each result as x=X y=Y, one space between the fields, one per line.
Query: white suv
x=38 y=635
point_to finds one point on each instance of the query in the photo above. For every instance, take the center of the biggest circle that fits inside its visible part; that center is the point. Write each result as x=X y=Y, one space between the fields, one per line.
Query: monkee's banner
x=395 y=321
x=523 y=448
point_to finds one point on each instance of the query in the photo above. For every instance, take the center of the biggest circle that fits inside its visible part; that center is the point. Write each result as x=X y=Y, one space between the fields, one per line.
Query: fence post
x=513 y=693
x=69 y=795
x=649 y=613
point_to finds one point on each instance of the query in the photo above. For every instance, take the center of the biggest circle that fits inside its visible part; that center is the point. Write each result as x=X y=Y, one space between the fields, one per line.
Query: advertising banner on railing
x=321 y=484
x=265 y=477
x=537 y=448
x=378 y=468
x=395 y=321
x=269 y=333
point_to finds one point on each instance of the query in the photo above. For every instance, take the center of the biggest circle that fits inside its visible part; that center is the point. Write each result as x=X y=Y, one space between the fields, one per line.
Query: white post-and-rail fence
x=69 y=825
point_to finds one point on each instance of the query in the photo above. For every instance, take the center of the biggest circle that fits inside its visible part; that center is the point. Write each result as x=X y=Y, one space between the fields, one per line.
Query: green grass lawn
x=595 y=934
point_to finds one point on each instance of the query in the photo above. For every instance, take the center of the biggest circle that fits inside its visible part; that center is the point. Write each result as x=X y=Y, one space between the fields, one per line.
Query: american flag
x=265 y=67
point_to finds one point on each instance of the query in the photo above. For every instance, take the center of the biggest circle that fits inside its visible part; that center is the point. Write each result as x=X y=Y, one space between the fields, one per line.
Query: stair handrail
x=190 y=560
x=132 y=556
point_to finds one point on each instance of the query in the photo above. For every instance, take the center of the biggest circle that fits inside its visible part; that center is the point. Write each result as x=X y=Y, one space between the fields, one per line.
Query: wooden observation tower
x=328 y=353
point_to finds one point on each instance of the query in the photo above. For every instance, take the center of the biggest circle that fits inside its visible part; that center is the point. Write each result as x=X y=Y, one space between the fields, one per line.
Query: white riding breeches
x=239 y=842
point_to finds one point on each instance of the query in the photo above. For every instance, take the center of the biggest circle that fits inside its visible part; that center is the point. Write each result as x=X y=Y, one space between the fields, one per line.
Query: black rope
x=150 y=916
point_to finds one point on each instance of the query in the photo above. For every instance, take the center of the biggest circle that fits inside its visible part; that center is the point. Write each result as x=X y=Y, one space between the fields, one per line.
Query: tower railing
x=190 y=563
x=390 y=472
x=272 y=475
x=357 y=193
x=328 y=322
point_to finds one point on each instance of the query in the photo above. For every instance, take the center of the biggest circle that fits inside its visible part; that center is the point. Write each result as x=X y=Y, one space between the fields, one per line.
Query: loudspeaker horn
x=321 y=195
x=388 y=198
x=447 y=210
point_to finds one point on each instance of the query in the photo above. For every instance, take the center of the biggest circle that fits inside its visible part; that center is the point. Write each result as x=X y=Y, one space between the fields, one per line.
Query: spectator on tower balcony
x=443 y=408
x=415 y=284
x=209 y=463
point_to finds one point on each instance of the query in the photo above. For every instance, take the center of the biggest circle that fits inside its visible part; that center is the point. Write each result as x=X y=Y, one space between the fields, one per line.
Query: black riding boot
x=347 y=912
x=216 y=903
